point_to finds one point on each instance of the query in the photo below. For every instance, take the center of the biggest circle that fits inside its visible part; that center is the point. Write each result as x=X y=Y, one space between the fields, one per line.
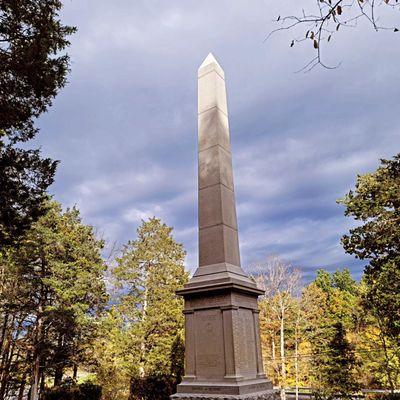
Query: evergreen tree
x=32 y=71
x=334 y=364
x=149 y=271
x=376 y=203
x=54 y=283
x=333 y=310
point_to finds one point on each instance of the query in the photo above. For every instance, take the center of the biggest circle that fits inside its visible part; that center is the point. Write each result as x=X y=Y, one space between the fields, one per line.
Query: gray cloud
x=125 y=127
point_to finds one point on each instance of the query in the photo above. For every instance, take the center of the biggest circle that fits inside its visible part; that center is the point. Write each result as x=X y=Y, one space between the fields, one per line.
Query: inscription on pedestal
x=209 y=344
x=246 y=354
x=208 y=301
x=244 y=301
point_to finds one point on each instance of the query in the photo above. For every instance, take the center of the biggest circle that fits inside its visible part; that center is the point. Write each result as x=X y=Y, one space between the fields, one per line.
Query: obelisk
x=223 y=357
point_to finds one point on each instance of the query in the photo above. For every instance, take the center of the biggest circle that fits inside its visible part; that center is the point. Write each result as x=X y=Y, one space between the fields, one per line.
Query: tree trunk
x=58 y=375
x=35 y=377
x=6 y=358
x=23 y=382
x=143 y=344
x=283 y=361
x=296 y=361
x=23 y=379
x=273 y=354
x=387 y=369
x=3 y=331
x=75 y=372
x=42 y=381
x=59 y=369
x=38 y=342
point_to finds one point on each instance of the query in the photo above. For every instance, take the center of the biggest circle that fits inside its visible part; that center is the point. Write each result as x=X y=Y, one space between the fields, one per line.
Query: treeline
x=140 y=350
x=325 y=336
x=60 y=327
x=52 y=293
x=73 y=326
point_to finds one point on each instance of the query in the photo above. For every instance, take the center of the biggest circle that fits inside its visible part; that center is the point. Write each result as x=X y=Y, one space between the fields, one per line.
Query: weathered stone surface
x=223 y=357
x=220 y=245
x=265 y=395
x=213 y=129
x=215 y=167
x=211 y=90
x=218 y=207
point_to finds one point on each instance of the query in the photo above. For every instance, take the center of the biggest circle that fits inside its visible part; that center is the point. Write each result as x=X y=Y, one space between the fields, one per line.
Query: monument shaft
x=223 y=357
x=218 y=236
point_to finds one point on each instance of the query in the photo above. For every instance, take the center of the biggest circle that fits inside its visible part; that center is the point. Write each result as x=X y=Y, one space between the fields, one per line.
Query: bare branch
x=330 y=16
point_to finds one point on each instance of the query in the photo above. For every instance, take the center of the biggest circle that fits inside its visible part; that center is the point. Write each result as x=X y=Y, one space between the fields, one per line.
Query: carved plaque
x=208 y=301
x=242 y=300
x=210 y=362
x=246 y=348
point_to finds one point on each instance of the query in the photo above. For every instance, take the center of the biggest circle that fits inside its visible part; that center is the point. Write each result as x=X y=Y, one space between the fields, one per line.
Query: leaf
x=292 y=44
x=315 y=44
x=339 y=10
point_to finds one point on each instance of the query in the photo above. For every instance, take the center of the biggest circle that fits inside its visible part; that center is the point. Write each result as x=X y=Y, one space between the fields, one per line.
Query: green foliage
x=334 y=363
x=31 y=74
x=24 y=178
x=342 y=297
x=153 y=387
x=84 y=391
x=53 y=291
x=375 y=202
x=141 y=340
x=30 y=69
x=329 y=338
x=177 y=360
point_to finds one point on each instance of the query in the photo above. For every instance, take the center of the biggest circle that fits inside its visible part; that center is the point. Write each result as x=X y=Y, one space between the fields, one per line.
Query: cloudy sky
x=125 y=127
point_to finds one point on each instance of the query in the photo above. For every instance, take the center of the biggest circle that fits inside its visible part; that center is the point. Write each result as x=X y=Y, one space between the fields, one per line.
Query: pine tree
x=335 y=364
x=332 y=303
x=55 y=284
x=149 y=271
x=32 y=71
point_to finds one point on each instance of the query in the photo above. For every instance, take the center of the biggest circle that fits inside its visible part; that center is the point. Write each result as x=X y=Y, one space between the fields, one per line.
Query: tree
x=332 y=311
x=335 y=365
x=32 y=71
x=149 y=314
x=115 y=354
x=375 y=202
x=281 y=282
x=54 y=288
x=328 y=17
x=380 y=366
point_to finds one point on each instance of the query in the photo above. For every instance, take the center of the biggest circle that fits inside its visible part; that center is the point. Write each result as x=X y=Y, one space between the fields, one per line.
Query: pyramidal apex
x=210 y=59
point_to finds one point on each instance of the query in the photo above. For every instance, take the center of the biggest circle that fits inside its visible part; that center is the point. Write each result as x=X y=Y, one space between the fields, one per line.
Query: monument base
x=271 y=394
x=259 y=389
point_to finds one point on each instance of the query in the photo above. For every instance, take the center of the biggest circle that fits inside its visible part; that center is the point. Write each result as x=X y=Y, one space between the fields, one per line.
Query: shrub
x=153 y=387
x=84 y=391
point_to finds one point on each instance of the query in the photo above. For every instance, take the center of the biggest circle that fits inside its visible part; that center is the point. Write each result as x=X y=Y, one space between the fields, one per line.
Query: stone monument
x=223 y=357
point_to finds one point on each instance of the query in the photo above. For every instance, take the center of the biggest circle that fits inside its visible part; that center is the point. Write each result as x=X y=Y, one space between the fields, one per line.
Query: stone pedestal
x=223 y=357
x=223 y=354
